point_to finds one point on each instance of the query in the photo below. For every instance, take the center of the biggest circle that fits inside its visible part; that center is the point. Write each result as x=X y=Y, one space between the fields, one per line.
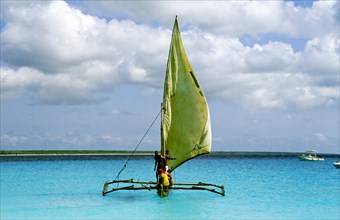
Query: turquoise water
x=256 y=188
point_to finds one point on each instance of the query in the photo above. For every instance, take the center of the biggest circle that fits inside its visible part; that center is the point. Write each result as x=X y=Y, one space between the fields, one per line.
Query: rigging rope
x=117 y=177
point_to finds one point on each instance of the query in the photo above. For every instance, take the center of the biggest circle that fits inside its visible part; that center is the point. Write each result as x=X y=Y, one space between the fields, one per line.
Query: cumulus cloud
x=232 y=18
x=67 y=55
x=268 y=76
x=62 y=54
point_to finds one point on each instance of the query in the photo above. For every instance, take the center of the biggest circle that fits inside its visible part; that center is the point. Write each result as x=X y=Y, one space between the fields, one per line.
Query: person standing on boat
x=159 y=163
x=167 y=158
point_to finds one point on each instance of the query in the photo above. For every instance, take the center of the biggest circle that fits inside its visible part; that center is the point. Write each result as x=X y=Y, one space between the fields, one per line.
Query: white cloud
x=321 y=57
x=70 y=140
x=10 y=140
x=73 y=61
x=116 y=112
x=321 y=137
x=63 y=55
x=14 y=81
x=233 y=18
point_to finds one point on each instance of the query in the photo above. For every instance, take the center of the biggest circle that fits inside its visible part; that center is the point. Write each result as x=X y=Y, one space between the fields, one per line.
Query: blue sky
x=89 y=74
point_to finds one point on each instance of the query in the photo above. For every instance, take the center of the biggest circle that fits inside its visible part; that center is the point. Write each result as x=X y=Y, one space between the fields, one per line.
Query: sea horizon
x=4 y=153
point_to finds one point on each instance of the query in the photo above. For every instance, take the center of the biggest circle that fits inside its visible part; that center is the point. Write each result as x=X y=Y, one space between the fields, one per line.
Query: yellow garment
x=165 y=179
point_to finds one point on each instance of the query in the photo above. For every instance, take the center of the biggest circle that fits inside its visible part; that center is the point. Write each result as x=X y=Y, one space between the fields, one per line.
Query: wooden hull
x=165 y=183
x=163 y=191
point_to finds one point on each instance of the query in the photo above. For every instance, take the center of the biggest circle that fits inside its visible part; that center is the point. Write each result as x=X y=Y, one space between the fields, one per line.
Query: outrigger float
x=185 y=127
x=161 y=190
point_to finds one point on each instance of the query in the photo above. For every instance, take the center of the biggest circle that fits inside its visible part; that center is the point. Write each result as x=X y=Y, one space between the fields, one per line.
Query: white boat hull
x=310 y=158
x=336 y=164
x=310 y=155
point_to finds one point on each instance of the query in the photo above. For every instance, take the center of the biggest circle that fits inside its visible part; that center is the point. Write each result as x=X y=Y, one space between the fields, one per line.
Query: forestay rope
x=117 y=177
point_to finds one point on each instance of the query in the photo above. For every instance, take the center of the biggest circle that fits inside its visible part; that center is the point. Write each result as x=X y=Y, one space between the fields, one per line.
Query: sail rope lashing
x=153 y=122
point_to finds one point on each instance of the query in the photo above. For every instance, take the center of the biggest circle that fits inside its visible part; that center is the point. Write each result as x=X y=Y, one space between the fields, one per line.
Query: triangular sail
x=185 y=126
x=185 y=130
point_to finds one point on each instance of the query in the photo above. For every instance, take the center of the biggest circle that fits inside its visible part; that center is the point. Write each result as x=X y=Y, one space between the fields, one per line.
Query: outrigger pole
x=153 y=186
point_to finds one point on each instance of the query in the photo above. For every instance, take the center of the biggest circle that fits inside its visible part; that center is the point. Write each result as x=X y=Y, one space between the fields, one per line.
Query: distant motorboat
x=310 y=155
x=337 y=164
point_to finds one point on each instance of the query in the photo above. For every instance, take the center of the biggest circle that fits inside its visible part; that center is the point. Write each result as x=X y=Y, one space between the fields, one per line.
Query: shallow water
x=256 y=188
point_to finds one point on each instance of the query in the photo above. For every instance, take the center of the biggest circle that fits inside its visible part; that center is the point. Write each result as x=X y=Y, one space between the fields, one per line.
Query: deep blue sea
x=65 y=187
